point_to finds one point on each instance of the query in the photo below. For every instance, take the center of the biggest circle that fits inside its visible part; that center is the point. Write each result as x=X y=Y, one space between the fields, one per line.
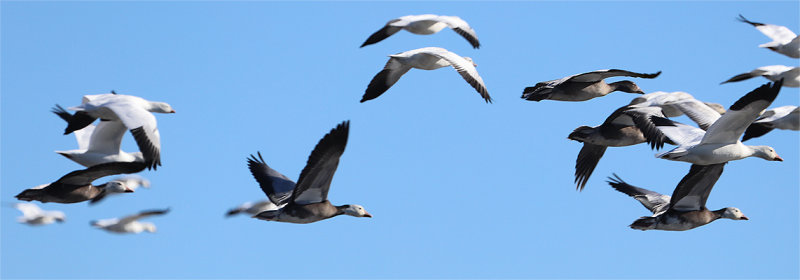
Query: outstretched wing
x=693 y=190
x=315 y=180
x=385 y=79
x=741 y=114
x=88 y=175
x=143 y=214
x=467 y=70
x=275 y=185
x=598 y=75
x=653 y=201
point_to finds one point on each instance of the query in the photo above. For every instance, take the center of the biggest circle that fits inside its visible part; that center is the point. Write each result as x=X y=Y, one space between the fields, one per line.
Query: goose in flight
x=77 y=185
x=429 y=58
x=719 y=143
x=784 y=41
x=129 y=224
x=790 y=75
x=784 y=117
x=252 y=208
x=425 y=25
x=132 y=111
x=686 y=208
x=307 y=200
x=585 y=86
x=129 y=182
x=663 y=99
x=98 y=144
x=35 y=216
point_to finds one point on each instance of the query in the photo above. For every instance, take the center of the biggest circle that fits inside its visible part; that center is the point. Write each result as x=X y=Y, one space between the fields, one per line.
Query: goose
x=35 y=216
x=97 y=144
x=585 y=86
x=784 y=41
x=662 y=99
x=424 y=25
x=686 y=208
x=252 y=208
x=307 y=200
x=784 y=117
x=719 y=143
x=618 y=130
x=429 y=58
x=790 y=75
x=132 y=111
x=129 y=224
x=77 y=186
x=130 y=183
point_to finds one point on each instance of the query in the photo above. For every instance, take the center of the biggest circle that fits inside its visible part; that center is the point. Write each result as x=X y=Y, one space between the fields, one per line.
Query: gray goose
x=585 y=86
x=77 y=185
x=307 y=200
x=686 y=209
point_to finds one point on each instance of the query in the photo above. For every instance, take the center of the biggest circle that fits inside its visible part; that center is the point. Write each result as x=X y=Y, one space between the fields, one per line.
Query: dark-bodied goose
x=129 y=224
x=132 y=111
x=98 y=144
x=720 y=142
x=35 y=216
x=306 y=201
x=686 y=209
x=429 y=58
x=784 y=41
x=425 y=25
x=585 y=86
x=252 y=208
x=790 y=75
x=618 y=130
x=77 y=185
x=784 y=117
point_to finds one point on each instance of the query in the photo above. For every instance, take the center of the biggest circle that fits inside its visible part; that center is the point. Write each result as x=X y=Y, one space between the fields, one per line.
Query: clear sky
x=457 y=187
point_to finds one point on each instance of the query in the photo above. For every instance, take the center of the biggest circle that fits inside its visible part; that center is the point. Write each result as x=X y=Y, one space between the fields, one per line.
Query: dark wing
x=381 y=34
x=653 y=201
x=540 y=91
x=143 y=214
x=278 y=187
x=587 y=160
x=315 y=180
x=467 y=71
x=469 y=35
x=98 y=197
x=385 y=79
x=642 y=119
x=693 y=190
x=63 y=114
x=88 y=175
x=755 y=130
x=740 y=77
x=598 y=75
x=75 y=122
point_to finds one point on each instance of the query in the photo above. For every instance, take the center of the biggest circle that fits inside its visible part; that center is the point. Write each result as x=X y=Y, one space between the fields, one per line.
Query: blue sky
x=457 y=187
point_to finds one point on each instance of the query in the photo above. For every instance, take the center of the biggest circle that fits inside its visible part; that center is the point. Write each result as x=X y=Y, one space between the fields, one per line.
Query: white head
x=766 y=152
x=733 y=213
x=470 y=61
x=149 y=227
x=117 y=187
x=160 y=107
x=356 y=211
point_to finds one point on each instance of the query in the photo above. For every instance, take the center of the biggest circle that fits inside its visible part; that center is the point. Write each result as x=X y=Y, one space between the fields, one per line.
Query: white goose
x=35 y=216
x=784 y=41
x=425 y=25
x=790 y=75
x=720 y=142
x=784 y=117
x=306 y=201
x=132 y=111
x=129 y=224
x=584 y=86
x=98 y=144
x=429 y=58
x=663 y=99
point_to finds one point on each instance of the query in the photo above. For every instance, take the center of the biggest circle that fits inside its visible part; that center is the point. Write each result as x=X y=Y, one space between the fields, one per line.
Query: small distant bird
x=129 y=182
x=129 y=224
x=306 y=201
x=425 y=25
x=784 y=117
x=784 y=41
x=77 y=185
x=686 y=209
x=429 y=58
x=33 y=215
x=132 y=111
x=790 y=75
x=98 y=144
x=252 y=208
x=582 y=87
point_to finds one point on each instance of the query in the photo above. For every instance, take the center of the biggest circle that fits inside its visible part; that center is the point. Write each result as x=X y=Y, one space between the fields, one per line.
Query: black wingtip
x=767 y=92
x=755 y=130
x=151 y=154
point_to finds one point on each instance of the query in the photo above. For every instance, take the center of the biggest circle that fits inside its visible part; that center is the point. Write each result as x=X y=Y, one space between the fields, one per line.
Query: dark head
x=626 y=86
x=582 y=133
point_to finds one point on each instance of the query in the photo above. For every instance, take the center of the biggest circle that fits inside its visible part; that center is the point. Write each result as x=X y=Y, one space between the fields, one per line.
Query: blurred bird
x=33 y=215
x=129 y=224
x=790 y=75
x=77 y=186
x=784 y=41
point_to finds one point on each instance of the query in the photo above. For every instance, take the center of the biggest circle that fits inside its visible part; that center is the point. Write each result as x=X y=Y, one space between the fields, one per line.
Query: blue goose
x=686 y=209
x=784 y=117
x=129 y=224
x=77 y=185
x=425 y=25
x=307 y=200
x=790 y=75
x=585 y=86
x=784 y=41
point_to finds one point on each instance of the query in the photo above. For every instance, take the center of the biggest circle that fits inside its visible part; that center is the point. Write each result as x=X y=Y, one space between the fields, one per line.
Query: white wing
x=741 y=114
x=465 y=68
x=142 y=125
x=106 y=137
x=28 y=209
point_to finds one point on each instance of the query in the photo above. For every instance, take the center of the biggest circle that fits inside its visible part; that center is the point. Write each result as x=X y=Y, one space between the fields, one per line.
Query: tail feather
x=644 y=223
x=233 y=211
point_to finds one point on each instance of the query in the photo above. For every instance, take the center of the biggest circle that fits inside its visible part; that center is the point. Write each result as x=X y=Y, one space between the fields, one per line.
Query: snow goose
x=129 y=224
x=585 y=86
x=784 y=117
x=720 y=142
x=77 y=185
x=790 y=75
x=33 y=215
x=133 y=112
x=425 y=25
x=784 y=41
x=97 y=144
x=306 y=201
x=686 y=208
x=252 y=208
x=429 y=58
x=618 y=130
x=128 y=184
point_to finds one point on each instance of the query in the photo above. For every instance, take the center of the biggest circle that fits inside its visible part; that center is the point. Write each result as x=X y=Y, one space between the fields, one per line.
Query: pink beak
x=777 y=158
x=367 y=215
x=127 y=190
x=745 y=218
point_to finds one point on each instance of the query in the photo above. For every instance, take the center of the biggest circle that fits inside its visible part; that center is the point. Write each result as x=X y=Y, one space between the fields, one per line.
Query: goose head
x=716 y=106
x=149 y=227
x=117 y=187
x=356 y=211
x=733 y=213
x=161 y=107
x=766 y=152
x=626 y=86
